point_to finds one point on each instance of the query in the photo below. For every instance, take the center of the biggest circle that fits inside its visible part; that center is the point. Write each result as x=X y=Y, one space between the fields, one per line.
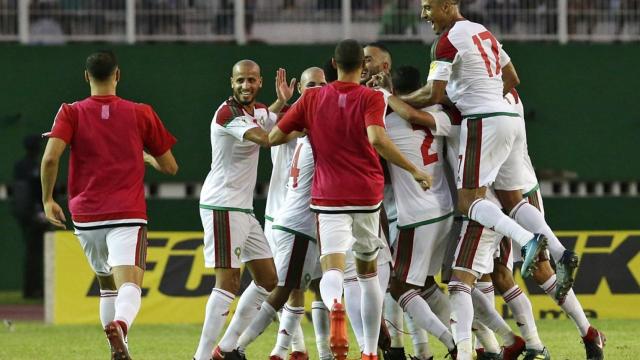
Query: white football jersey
x=418 y=144
x=281 y=156
x=295 y=213
x=234 y=164
x=389 y=203
x=471 y=60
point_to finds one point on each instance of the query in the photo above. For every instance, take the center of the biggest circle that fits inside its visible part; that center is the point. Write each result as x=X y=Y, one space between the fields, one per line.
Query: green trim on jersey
x=488 y=115
x=212 y=207
x=530 y=192
x=426 y=222
x=267 y=217
x=294 y=232
x=392 y=220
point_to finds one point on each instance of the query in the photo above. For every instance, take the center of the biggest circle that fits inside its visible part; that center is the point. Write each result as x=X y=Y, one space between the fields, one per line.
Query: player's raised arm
x=48 y=175
x=284 y=91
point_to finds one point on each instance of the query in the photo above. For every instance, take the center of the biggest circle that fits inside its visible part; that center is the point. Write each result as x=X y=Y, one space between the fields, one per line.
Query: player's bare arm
x=48 y=174
x=165 y=163
x=278 y=137
x=284 y=91
x=411 y=114
x=430 y=94
x=510 y=78
x=258 y=136
x=387 y=149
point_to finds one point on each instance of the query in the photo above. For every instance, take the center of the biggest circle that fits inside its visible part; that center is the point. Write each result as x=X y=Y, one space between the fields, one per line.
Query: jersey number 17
x=480 y=40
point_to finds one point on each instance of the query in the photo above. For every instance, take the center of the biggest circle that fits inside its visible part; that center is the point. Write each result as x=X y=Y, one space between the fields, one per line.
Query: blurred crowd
x=177 y=17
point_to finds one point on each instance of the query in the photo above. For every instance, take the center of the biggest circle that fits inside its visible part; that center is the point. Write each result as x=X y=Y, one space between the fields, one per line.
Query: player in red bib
x=345 y=125
x=111 y=138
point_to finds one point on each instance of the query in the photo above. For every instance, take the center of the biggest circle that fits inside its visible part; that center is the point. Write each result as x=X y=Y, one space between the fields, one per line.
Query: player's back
x=477 y=59
x=107 y=138
x=348 y=170
x=426 y=151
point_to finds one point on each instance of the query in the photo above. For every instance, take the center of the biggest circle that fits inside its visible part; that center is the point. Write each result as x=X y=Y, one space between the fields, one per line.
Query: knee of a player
x=269 y=283
x=228 y=283
x=396 y=289
x=502 y=279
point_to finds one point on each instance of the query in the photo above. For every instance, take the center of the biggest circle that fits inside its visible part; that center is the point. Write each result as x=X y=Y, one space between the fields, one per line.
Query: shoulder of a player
x=227 y=111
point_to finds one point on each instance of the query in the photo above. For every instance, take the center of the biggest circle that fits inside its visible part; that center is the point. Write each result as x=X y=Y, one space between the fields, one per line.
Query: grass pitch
x=32 y=340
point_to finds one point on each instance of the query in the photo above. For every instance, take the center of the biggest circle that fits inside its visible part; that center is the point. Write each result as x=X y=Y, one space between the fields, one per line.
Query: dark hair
x=349 y=55
x=381 y=46
x=101 y=64
x=330 y=73
x=406 y=79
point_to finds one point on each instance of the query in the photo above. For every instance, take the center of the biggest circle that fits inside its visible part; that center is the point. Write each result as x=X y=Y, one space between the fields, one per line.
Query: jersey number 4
x=479 y=39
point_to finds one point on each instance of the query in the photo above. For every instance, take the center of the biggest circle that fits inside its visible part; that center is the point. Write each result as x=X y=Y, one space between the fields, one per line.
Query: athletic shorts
x=393 y=234
x=338 y=233
x=296 y=258
x=268 y=234
x=420 y=251
x=510 y=252
x=491 y=153
x=106 y=247
x=450 y=251
x=476 y=249
x=232 y=238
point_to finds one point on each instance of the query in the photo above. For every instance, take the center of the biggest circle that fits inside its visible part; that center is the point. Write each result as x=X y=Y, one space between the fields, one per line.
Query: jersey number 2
x=426 y=145
x=478 y=40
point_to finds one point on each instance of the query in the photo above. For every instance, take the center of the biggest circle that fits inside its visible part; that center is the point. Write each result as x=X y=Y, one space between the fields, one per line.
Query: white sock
x=485 y=337
x=419 y=338
x=320 y=318
x=331 y=287
x=532 y=219
x=107 y=306
x=289 y=322
x=487 y=290
x=297 y=340
x=489 y=215
x=260 y=322
x=353 y=306
x=215 y=316
x=248 y=306
x=461 y=317
x=438 y=302
x=523 y=313
x=421 y=314
x=487 y=314
x=384 y=274
x=371 y=310
x=127 y=304
x=394 y=317
x=570 y=305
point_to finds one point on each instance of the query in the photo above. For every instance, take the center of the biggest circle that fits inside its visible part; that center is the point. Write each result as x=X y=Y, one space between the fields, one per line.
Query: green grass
x=30 y=340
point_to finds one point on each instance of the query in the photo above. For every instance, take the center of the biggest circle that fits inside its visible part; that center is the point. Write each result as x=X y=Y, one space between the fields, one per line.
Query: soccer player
x=425 y=218
x=108 y=137
x=543 y=275
x=232 y=235
x=347 y=187
x=295 y=252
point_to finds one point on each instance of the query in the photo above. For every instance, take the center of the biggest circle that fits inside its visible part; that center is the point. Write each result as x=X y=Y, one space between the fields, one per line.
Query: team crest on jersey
x=237 y=251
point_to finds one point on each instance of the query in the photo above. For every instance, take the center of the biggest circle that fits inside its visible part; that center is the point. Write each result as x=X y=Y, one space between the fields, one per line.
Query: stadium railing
x=306 y=21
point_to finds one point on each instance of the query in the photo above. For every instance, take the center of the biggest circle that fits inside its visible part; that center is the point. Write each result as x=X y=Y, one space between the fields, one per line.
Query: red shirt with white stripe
x=348 y=175
x=107 y=135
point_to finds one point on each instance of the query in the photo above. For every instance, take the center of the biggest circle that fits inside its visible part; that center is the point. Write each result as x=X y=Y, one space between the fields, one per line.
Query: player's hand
x=284 y=90
x=54 y=214
x=381 y=80
x=425 y=180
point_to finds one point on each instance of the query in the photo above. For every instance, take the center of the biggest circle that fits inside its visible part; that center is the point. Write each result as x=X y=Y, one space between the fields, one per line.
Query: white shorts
x=269 y=235
x=420 y=251
x=393 y=234
x=491 y=153
x=106 y=247
x=477 y=248
x=232 y=238
x=450 y=251
x=296 y=258
x=340 y=232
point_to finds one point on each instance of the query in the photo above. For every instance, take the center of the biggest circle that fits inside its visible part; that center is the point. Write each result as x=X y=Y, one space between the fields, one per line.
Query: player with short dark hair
x=108 y=136
x=347 y=187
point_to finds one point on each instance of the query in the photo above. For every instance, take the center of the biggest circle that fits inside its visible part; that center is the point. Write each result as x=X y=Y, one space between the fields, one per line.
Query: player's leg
x=417 y=248
x=485 y=144
x=485 y=338
x=335 y=238
x=366 y=228
x=223 y=232
x=353 y=299
x=292 y=314
x=320 y=319
x=256 y=254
